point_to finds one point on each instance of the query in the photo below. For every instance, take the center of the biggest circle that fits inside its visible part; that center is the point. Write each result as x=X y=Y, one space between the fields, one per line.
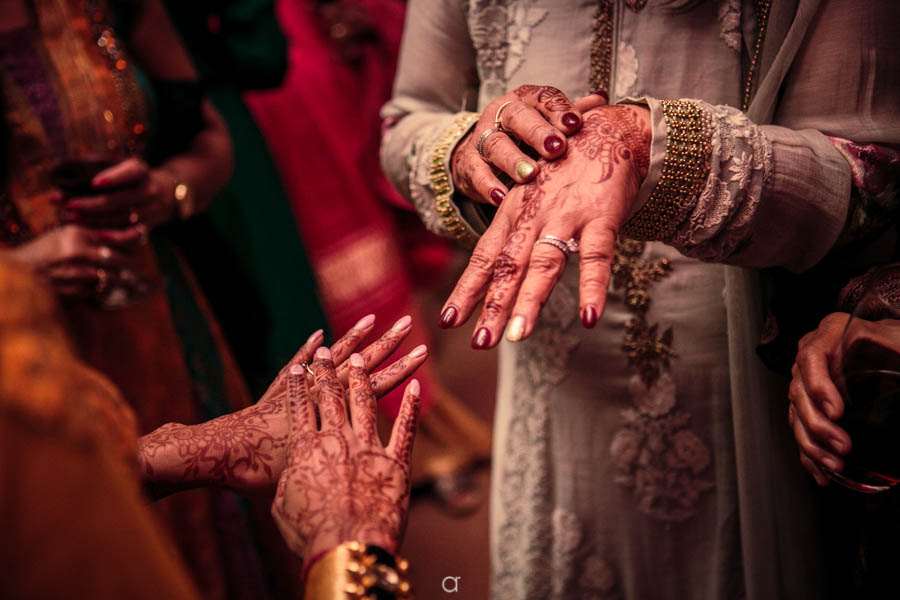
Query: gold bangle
x=684 y=173
x=354 y=572
x=441 y=183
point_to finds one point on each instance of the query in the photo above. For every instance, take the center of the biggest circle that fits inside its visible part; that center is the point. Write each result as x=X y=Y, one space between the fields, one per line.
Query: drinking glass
x=867 y=374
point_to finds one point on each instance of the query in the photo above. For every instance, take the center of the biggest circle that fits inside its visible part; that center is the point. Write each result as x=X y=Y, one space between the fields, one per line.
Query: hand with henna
x=341 y=484
x=586 y=195
x=246 y=450
x=540 y=116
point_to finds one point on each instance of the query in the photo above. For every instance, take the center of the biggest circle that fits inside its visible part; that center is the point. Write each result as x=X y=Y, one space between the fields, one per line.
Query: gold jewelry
x=484 y=136
x=684 y=172
x=102 y=282
x=441 y=183
x=524 y=169
x=762 y=19
x=353 y=571
x=497 y=124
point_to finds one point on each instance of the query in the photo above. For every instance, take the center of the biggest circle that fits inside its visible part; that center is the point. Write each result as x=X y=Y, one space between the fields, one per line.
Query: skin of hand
x=816 y=401
x=340 y=483
x=71 y=256
x=540 y=116
x=246 y=451
x=127 y=193
x=586 y=195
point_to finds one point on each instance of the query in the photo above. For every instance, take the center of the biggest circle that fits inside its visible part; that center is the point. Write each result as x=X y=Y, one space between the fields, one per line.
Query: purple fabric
x=20 y=58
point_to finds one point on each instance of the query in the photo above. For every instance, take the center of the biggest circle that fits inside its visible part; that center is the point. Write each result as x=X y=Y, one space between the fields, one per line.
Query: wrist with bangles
x=355 y=571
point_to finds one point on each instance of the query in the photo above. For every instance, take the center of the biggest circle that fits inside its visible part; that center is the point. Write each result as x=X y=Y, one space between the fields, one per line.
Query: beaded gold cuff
x=684 y=172
x=356 y=572
x=441 y=183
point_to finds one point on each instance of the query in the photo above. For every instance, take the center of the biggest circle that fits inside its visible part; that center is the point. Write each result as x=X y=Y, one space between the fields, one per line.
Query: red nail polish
x=497 y=195
x=571 y=120
x=99 y=182
x=553 y=143
x=482 y=339
x=603 y=94
x=589 y=316
x=448 y=318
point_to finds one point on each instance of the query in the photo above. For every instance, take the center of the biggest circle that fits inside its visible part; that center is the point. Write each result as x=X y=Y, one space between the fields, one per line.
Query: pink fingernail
x=356 y=360
x=324 y=353
x=402 y=324
x=365 y=322
x=316 y=335
x=419 y=351
x=413 y=387
x=297 y=370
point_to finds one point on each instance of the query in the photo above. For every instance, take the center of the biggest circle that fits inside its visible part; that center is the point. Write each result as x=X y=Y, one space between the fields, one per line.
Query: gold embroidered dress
x=649 y=457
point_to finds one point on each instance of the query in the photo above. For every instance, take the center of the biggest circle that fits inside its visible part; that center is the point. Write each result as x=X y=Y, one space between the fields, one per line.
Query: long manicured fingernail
x=414 y=388
x=524 y=169
x=497 y=195
x=516 y=329
x=419 y=351
x=570 y=120
x=323 y=353
x=356 y=360
x=448 y=317
x=552 y=143
x=315 y=336
x=402 y=324
x=99 y=181
x=482 y=339
x=589 y=316
x=366 y=322
x=603 y=94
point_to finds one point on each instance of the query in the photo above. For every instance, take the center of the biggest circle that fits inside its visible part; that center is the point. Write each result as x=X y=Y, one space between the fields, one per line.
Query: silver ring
x=497 y=124
x=307 y=367
x=484 y=136
x=567 y=247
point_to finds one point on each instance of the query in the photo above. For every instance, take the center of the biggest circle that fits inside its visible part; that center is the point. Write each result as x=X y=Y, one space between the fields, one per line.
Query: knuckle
x=596 y=256
x=481 y=261
x=545 y=264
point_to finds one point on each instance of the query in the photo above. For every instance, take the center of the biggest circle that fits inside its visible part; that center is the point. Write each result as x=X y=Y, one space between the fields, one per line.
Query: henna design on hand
x=552 y=98
x=611 y=135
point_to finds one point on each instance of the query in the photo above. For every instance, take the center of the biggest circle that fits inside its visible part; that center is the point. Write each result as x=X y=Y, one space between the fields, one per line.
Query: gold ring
x=480 y=145
x=497 y=123
x=102 y=281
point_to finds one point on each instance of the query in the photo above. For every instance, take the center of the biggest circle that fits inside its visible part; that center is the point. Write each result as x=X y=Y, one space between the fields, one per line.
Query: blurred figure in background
x=245 y=250
x=322 y=127
x=107 y=138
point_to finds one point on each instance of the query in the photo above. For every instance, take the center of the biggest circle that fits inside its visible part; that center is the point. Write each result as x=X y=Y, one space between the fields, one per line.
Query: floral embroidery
x=597 y=578
x=526 y=534
x=567 y=534
x=730 y=23
x=501 y=32
x=626 y=70
x=655 y=454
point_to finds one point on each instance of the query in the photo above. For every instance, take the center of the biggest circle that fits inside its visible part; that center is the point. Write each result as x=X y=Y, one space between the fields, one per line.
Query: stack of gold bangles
x=353 y=571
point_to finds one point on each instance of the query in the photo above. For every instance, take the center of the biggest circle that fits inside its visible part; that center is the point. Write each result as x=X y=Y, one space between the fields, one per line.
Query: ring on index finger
x=497 y=123
x=567 y=247
x=481 y=140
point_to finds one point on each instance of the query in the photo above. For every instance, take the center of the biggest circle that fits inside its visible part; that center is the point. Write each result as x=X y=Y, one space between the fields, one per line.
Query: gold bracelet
x=441 y=184
x=353 y=571
x=684 y=173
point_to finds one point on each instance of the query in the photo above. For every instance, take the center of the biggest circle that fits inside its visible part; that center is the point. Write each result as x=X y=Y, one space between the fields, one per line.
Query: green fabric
x=252 y=215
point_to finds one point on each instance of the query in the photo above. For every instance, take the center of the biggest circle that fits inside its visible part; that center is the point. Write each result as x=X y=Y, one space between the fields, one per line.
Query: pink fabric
x=323 y=128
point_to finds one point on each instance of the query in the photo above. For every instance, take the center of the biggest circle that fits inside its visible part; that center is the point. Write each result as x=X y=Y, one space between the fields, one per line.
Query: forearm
x=243 y=451
x=206 y=166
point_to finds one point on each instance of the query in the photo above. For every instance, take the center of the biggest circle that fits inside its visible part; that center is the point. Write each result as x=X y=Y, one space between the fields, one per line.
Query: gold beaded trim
x=684 y=172
x=350 y=573
x=601 y=45
x=441 y=184
x=762 y=18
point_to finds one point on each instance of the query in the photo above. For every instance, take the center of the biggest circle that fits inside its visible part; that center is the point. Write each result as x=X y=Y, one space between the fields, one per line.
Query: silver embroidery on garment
x=525 y=532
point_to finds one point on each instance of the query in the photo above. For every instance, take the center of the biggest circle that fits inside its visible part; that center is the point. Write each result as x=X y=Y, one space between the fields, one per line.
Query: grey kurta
x=689 y=487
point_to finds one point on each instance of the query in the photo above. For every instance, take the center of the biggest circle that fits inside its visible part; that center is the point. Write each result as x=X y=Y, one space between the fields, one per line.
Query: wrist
x=355 y=570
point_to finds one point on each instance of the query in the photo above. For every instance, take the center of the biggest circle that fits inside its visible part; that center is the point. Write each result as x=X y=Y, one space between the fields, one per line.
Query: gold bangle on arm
x=353 y=571
x=442 y=186
x=684 y=172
